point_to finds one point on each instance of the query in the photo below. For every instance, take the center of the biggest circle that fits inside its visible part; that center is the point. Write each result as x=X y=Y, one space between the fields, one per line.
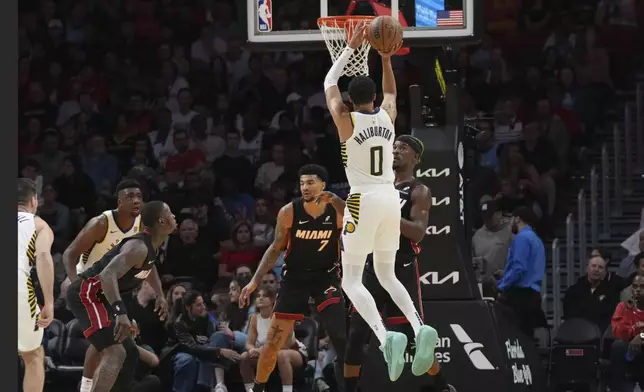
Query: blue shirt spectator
x=526 y=262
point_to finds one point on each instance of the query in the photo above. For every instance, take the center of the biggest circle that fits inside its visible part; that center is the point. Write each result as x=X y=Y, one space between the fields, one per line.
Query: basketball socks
x=360 y=296
x=248 y=386
x=86 y=384
x=384 y=265
x=287 y=388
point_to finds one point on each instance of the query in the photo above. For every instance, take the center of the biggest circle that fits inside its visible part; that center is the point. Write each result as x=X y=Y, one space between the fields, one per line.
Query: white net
x=336 y=32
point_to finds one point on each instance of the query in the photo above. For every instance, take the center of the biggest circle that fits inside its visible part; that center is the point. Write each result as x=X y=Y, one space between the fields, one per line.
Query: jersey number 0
x=376 y=161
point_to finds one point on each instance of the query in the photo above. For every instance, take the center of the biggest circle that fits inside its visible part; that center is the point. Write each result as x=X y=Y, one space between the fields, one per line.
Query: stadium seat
x=74 y=349
x=574 y=358
x=306 y=331
x=55 y=341
x=604 y=360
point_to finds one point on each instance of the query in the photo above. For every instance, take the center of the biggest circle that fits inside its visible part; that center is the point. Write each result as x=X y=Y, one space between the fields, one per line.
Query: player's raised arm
x=337 y=108
x=415 y=227
x=45 y=270
x=132 y=254
x=93 y=232
x=389 y=92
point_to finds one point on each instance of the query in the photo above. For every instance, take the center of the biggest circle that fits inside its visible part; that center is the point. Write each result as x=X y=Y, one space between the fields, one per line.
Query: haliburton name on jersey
x=370 y=132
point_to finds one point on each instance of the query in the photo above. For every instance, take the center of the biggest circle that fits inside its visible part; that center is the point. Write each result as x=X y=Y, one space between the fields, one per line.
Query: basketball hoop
x=337 y=32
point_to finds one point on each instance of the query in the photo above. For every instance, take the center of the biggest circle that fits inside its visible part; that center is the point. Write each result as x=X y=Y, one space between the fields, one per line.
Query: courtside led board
x=292 y=24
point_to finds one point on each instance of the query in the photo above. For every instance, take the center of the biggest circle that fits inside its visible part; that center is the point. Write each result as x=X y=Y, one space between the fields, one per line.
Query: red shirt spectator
x=185 y=159
x=231 y=258
x=628 y=319
x=242 y=252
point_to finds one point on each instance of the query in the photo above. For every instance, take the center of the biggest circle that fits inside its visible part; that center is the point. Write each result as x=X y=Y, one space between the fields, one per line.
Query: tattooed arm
x=132 y=254
x=282 y=230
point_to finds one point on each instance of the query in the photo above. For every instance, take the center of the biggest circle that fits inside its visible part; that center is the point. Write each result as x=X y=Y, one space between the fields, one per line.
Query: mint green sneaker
x=425 y=346
x=394 y=350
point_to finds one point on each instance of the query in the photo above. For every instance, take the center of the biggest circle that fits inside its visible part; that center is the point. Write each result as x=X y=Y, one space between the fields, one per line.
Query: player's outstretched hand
x=244 y=297
x=46 y=316
x=161 y=308
x=123 y=328
x=392 y=51
x=325 y=197
x=359 y=35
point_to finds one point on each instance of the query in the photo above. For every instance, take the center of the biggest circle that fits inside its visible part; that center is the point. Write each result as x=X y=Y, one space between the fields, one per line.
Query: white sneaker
x=220 y=388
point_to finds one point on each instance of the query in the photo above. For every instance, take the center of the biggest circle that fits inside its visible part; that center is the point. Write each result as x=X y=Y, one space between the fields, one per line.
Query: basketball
x=385 y=33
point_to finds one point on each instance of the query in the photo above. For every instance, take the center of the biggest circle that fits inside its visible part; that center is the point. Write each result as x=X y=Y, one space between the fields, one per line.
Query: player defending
x=98 y=236
x=34 y=249
x=309 y=229
x=415 y=201
x=372 y=213
x=96 y=297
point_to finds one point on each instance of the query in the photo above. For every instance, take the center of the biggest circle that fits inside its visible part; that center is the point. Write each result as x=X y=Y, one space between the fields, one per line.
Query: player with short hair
x=34 y=249
x=99 y=235
x=96 y=299
x=372 y=214
x=415 y=202
x=309 y=229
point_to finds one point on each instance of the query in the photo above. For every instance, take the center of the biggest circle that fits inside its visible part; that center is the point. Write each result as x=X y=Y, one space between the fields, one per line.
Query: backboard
x=292 y=24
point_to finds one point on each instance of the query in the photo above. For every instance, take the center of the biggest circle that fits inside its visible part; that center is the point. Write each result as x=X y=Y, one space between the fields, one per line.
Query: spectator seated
x=627 y=359
x=595 y=295
x=574 y=358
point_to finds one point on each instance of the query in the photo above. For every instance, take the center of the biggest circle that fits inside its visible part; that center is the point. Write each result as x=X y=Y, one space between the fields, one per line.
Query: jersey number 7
x=323 y=244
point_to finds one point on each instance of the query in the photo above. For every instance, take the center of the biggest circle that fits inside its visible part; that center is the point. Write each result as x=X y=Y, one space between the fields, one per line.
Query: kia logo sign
x=445 y=201
x=434 y=230
x=432 y=173
x=433 y=278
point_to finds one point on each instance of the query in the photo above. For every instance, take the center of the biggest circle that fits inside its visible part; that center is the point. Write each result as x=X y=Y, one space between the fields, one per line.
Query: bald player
x=415 y=202
x=99 y=235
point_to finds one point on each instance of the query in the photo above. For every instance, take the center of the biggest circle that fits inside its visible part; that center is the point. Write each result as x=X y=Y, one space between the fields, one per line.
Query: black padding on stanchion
x=444 y=262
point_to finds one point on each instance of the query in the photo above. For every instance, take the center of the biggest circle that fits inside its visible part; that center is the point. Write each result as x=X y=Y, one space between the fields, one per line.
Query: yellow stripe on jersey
x=31 y=297
x=31 y=250
x=343 y=153
x=353 y=205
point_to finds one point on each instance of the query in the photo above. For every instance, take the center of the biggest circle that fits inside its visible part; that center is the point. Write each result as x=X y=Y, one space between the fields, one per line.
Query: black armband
x=119 y=308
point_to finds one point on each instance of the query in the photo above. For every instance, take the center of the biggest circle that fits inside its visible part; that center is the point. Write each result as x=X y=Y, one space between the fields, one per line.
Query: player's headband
x=412 y=142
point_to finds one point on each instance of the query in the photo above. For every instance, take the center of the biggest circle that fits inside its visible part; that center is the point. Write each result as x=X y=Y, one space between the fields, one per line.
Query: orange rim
x=343 y=20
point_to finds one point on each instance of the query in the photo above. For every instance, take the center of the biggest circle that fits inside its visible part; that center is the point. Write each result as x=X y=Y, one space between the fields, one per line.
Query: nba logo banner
x=264 y=16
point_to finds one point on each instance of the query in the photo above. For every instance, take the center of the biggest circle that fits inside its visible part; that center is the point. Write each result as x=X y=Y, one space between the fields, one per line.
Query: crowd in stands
x=166 y=93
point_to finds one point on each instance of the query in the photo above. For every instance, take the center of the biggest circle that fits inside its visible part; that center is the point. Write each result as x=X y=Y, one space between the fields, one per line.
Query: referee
x=520 y=285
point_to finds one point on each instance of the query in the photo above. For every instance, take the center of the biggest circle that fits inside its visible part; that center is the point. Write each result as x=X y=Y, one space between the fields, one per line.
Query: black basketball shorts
x=408 y=273
x=93 y=312
x=296 y=288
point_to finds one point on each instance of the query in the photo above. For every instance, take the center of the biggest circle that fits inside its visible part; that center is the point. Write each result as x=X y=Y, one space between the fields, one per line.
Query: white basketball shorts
x=29 y=335
x=372 y=220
